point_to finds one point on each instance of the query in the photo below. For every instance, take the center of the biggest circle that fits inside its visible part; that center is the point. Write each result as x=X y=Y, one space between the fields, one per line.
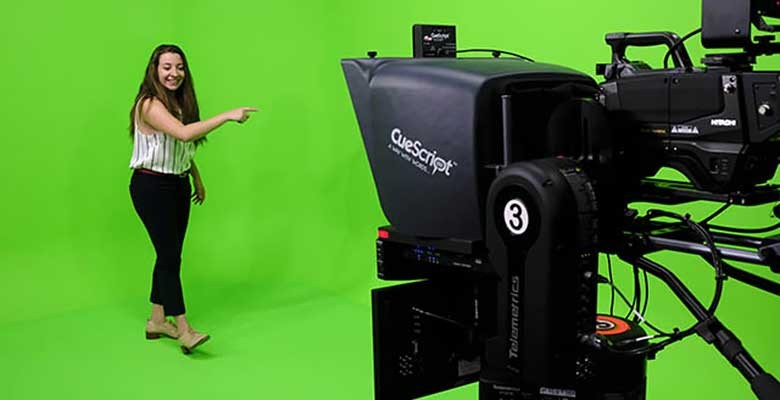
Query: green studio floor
x=317 y=348
x=265 y=346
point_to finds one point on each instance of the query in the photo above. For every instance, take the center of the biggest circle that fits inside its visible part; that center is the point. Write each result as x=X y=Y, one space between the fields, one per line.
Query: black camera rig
x=504 y=179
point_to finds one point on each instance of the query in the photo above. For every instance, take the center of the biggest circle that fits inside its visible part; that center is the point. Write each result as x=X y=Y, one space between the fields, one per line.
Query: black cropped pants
x=163 y=203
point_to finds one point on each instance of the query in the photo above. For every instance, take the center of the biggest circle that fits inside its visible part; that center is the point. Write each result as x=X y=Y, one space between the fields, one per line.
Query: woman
x=166 y=128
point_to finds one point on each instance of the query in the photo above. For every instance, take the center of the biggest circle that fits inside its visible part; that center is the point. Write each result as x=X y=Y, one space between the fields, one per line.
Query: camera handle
x=620 y=41
x=764 y=385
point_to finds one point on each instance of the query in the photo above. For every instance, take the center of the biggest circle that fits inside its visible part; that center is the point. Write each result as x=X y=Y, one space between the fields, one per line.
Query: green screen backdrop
x=279 y=261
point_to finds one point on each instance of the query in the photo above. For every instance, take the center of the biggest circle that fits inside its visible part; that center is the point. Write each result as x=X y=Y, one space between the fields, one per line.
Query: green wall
x=291 y=209
x=289 y=194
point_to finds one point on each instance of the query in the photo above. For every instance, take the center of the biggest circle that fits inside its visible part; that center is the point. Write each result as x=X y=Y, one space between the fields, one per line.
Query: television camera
x=503 y=179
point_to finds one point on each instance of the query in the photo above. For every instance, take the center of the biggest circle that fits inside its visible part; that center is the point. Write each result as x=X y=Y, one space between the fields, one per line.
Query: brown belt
x=155 y=173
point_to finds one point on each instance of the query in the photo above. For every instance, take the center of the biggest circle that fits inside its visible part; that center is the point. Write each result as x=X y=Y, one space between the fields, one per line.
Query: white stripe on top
x=161 y=152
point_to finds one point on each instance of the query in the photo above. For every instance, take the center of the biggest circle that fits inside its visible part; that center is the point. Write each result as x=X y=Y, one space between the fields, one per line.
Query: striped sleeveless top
x=160 y=152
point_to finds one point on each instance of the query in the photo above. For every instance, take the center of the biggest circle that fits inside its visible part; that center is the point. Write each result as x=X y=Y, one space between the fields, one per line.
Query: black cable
x=637 y=299
x=612 y=285
x=653 y=348
x=647 y=294
x=717 y=263
x=632 y=304
x=631 y=307
x=637 y=293
x=677 y=44
x=625 y=300
x=495 y=53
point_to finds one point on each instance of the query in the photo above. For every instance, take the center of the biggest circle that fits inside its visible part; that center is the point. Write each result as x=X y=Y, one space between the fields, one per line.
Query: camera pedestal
x=541 y=231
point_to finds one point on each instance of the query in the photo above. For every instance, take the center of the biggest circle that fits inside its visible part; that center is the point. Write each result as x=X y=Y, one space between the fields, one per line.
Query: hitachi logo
x=723 y=122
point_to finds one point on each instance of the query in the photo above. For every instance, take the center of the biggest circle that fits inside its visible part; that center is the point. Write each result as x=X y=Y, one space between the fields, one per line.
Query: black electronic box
x=433 y=41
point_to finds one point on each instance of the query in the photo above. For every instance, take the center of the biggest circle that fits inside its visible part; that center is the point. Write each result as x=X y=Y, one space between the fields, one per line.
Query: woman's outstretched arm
x=155 y=114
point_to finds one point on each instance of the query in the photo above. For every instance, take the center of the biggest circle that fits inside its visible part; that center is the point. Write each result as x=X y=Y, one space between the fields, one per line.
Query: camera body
x=503 y=180
x=718 y=126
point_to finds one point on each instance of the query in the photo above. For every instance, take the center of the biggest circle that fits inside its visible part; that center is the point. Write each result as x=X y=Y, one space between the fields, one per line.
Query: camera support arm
x=661 y=243
x=764 y=385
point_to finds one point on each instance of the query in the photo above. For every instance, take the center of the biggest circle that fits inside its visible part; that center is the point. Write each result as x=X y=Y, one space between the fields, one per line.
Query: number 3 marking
x=516 y=217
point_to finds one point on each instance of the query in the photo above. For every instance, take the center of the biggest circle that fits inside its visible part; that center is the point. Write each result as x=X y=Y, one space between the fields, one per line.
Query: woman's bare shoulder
x=142 y=109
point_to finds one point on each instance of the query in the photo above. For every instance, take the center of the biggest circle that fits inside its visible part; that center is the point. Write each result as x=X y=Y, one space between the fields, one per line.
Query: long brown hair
x=181 y=103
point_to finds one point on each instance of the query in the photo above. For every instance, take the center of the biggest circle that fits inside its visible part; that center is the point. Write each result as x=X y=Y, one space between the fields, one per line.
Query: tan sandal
x=191 y=339
x=155 y=330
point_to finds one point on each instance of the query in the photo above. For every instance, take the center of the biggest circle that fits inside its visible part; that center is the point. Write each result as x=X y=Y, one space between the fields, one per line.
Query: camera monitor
x=728 y=23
